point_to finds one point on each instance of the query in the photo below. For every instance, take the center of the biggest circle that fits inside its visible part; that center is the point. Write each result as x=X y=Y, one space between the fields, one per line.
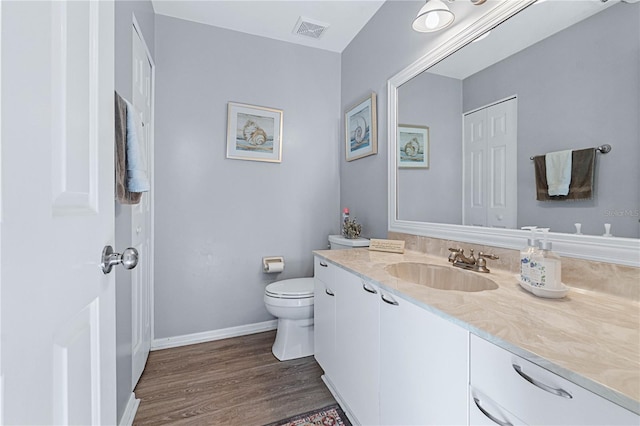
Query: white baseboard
x=209 y=336
x=130 y=411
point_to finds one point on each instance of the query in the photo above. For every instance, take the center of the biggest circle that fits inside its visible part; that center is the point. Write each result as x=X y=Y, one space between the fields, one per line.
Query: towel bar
x=602 y=148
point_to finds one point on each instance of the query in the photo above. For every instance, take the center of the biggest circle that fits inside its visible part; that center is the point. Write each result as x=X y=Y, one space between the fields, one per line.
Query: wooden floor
x=232 y=382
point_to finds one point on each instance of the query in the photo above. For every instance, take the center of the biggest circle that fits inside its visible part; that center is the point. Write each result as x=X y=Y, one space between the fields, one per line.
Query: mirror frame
x=623 y=251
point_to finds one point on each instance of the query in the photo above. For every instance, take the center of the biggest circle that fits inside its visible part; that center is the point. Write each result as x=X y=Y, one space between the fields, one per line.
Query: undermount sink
x=441 y=277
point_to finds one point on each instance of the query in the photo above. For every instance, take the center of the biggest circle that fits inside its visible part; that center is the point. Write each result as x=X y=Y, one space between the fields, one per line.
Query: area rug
x=327 y=416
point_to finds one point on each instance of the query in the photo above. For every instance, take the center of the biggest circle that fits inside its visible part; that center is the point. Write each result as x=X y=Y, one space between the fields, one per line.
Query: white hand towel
x=558 y=172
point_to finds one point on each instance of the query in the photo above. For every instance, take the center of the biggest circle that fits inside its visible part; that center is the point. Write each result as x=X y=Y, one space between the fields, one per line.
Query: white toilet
x=291 y=301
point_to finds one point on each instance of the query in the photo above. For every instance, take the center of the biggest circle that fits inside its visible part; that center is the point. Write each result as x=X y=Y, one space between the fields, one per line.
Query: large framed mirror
x=567 y=76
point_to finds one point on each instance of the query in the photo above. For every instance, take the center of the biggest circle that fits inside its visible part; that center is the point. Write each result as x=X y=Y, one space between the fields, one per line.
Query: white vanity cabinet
x=324 y=314
x=535 y=395
x=423 y=366
x=356 y=374
x=391 y=362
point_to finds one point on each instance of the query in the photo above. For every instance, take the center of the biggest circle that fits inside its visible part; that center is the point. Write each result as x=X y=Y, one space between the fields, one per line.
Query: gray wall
x=385 y=46
x=431 y=195
x=215 y=218
x=124 y=11
x=576 y=89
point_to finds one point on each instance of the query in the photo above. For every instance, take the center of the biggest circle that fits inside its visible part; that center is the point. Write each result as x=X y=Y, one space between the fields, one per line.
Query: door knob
x=128 y=259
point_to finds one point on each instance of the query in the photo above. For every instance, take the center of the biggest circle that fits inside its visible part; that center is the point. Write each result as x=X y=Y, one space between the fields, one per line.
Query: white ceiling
x=276 y=19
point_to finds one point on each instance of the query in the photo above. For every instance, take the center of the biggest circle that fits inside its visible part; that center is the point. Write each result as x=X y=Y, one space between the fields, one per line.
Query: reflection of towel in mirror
x=137 y=180
x=582 y=176
x=122 y=194
x=558 y=172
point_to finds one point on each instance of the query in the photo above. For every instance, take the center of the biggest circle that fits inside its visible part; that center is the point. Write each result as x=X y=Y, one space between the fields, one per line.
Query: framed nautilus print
x=413 y=146
x=254 y=133
x=361 y=129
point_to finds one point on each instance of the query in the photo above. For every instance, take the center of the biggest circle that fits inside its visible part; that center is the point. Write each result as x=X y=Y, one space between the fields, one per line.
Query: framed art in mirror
x=254 y=133
x=361 y=136
x=413 y=146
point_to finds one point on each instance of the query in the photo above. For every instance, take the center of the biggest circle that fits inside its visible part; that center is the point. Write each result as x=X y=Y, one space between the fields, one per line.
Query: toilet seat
x=296 y=288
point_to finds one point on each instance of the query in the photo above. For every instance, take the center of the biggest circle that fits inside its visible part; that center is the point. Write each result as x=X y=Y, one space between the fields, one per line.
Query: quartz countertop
x=589 y=338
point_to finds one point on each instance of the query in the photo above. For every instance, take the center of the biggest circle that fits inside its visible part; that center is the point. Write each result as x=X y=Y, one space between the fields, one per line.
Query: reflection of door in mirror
x=490 y=193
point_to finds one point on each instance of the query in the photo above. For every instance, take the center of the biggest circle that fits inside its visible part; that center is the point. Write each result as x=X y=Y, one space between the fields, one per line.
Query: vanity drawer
x=323 y=270
x=536 y=395
x=485 y=412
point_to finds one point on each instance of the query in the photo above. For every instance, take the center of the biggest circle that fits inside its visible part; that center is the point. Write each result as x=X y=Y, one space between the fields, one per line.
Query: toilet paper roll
x=274 y=267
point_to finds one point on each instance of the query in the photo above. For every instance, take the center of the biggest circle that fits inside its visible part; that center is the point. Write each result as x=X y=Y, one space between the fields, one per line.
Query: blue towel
x=137 y=180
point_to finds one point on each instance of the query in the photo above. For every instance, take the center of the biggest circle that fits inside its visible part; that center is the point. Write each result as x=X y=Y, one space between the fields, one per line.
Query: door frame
x=1 y=199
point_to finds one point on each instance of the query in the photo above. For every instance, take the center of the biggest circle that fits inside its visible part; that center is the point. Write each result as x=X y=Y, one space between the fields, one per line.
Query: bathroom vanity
x=399 y=348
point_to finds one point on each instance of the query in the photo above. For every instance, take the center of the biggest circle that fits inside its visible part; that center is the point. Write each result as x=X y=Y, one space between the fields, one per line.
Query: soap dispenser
x=526 y=254
x=546 y=268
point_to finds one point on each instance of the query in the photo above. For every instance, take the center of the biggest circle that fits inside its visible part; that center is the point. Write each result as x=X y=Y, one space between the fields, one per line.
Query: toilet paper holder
x=273 y=264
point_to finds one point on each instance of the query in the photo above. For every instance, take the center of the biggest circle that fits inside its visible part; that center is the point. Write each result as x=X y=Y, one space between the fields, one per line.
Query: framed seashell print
x=361 y=129
x=413 y=146
x=254 y=133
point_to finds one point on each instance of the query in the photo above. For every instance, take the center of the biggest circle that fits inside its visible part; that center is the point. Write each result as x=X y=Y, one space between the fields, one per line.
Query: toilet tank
x=337 y=242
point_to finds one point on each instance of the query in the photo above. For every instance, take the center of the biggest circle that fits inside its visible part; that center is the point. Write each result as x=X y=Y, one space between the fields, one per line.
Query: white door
x=490 y=166
x=502 y=151
x=474 y=169
x=58 y=308
x=142 y=99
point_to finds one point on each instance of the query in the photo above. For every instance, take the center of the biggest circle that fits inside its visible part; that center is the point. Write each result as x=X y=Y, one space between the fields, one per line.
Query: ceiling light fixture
x=433 y=16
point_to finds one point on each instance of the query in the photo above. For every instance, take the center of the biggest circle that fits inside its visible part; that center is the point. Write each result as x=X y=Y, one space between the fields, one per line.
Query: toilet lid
x=296 y=288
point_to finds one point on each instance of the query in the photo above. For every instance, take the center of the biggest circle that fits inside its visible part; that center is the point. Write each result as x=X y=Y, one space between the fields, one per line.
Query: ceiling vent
x=310 y=28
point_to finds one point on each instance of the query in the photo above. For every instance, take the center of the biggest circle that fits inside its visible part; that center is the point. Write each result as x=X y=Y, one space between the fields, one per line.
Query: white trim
x=210 y=336
x=499 y=101
x=623 y=251
x=1 y=330
x=130 y=411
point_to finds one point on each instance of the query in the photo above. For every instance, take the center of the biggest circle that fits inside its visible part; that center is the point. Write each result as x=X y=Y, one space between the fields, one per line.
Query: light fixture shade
x=433 y=16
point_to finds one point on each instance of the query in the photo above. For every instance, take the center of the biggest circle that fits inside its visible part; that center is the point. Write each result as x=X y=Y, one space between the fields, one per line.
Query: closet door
x=474 y=169
x=490 y=166
x=502 y=160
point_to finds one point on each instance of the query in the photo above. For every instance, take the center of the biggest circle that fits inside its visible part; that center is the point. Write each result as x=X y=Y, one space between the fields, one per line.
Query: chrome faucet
x=458 y=259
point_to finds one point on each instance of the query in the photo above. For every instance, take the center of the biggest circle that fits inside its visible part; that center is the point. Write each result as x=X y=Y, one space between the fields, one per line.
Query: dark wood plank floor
x=234 y=381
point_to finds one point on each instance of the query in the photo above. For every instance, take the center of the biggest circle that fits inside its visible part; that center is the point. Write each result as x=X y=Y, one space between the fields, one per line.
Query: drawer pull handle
x=369 y=289
x=329 y=292
x=490 y=416
x=388 y=300
x=559 y=391
x=324 y=265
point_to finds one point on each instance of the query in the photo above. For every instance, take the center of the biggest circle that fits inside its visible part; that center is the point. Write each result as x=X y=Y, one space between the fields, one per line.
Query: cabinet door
x=423 y=366
x=357 y=346
x=324 y=314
